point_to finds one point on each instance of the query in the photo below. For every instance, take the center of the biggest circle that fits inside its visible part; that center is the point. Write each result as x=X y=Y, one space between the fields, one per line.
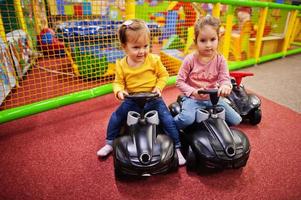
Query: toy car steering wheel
x=142 y=97
x=212 y=93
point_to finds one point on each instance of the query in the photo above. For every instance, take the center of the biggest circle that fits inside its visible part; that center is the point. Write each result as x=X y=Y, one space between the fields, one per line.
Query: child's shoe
x=181 y=158
x=105 y=150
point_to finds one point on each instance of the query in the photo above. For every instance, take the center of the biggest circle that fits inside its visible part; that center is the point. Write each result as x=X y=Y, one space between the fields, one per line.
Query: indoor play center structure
x=58 y=52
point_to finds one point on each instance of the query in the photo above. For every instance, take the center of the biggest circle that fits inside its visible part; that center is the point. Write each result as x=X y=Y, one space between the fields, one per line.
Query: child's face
x=137 y=48
x=207 y=41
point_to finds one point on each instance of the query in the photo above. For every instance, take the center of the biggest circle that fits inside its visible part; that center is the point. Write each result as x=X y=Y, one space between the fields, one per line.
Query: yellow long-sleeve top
x=143 y=78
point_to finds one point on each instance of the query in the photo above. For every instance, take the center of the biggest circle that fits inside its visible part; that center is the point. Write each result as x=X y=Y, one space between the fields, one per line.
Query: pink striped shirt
x=194 y=74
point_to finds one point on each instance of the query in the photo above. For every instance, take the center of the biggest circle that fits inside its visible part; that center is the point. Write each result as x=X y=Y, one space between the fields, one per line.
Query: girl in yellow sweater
x=139 y=71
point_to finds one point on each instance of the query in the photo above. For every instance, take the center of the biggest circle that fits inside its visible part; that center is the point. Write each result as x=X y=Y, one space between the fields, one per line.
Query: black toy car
x=143 y=149
x=209 y=143
x=247 y=105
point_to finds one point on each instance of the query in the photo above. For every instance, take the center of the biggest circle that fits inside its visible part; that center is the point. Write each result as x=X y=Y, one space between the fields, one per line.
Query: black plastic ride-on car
x=143 y=149
x=247 y=105
x=209 y=144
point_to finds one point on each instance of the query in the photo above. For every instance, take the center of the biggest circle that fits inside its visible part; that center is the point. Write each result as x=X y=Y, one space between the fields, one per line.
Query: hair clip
x=127 y=23
x=208 y=16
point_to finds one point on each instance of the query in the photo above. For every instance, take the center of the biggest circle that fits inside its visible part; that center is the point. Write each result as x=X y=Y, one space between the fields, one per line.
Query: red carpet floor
x=52 y=155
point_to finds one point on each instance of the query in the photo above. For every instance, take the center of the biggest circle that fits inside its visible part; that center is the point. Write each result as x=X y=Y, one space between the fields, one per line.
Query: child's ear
x=221 y=31
x=123 y=46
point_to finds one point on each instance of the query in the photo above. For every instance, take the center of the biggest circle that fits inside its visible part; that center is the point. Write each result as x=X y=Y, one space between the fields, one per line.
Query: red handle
x=239 y=75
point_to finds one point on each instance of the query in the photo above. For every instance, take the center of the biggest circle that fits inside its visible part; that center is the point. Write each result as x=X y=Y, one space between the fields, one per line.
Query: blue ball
x=47 y=38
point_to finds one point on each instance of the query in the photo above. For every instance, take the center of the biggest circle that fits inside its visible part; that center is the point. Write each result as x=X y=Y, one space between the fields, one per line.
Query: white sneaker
x=181 y=158
x=105 y=150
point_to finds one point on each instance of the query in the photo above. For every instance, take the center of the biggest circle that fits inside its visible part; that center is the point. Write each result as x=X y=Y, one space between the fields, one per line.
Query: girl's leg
x=117 y=119
x=166 y=119
x=168 y=124
x=187 y=115
x=232 y=117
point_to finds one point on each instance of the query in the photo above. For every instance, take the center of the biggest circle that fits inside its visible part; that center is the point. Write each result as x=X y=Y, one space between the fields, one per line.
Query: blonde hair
x=203 y=21
x=129 y=27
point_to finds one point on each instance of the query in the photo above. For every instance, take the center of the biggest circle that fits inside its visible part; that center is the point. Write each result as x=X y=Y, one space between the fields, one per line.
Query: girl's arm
x=119 y=83
x=182 y=77
x=162 y=75
x=224 y=79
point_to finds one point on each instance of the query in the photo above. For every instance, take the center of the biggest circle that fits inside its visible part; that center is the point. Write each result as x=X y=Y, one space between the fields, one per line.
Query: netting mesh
x=51 y=48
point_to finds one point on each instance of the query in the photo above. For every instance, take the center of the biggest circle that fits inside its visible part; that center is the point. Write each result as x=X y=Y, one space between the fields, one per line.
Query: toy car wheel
x=175 y=164
x=119 y=175
x=255 y=116
x=191 y=160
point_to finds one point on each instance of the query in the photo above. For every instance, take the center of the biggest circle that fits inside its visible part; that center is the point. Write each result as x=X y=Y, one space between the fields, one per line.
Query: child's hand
x=197 y=95
x=224 y=90
x=120 y=95
x=157 y=90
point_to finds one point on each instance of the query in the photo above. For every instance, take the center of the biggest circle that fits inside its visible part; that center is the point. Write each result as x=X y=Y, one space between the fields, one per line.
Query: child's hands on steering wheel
x=224 y=90
x=120 y=94
x=157 y=90
x=197 y=95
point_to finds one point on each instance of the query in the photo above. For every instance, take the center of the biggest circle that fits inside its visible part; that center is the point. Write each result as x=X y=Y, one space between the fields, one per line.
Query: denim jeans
x=189 y=107
x=120 y=115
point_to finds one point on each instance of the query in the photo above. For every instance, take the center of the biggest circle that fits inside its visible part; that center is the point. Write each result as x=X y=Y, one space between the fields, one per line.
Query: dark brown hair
x=203 y=21
x=130 y=26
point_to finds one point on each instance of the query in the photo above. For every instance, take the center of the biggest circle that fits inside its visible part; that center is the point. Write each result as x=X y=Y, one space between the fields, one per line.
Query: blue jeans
x=189 y=107
x=120 y=115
